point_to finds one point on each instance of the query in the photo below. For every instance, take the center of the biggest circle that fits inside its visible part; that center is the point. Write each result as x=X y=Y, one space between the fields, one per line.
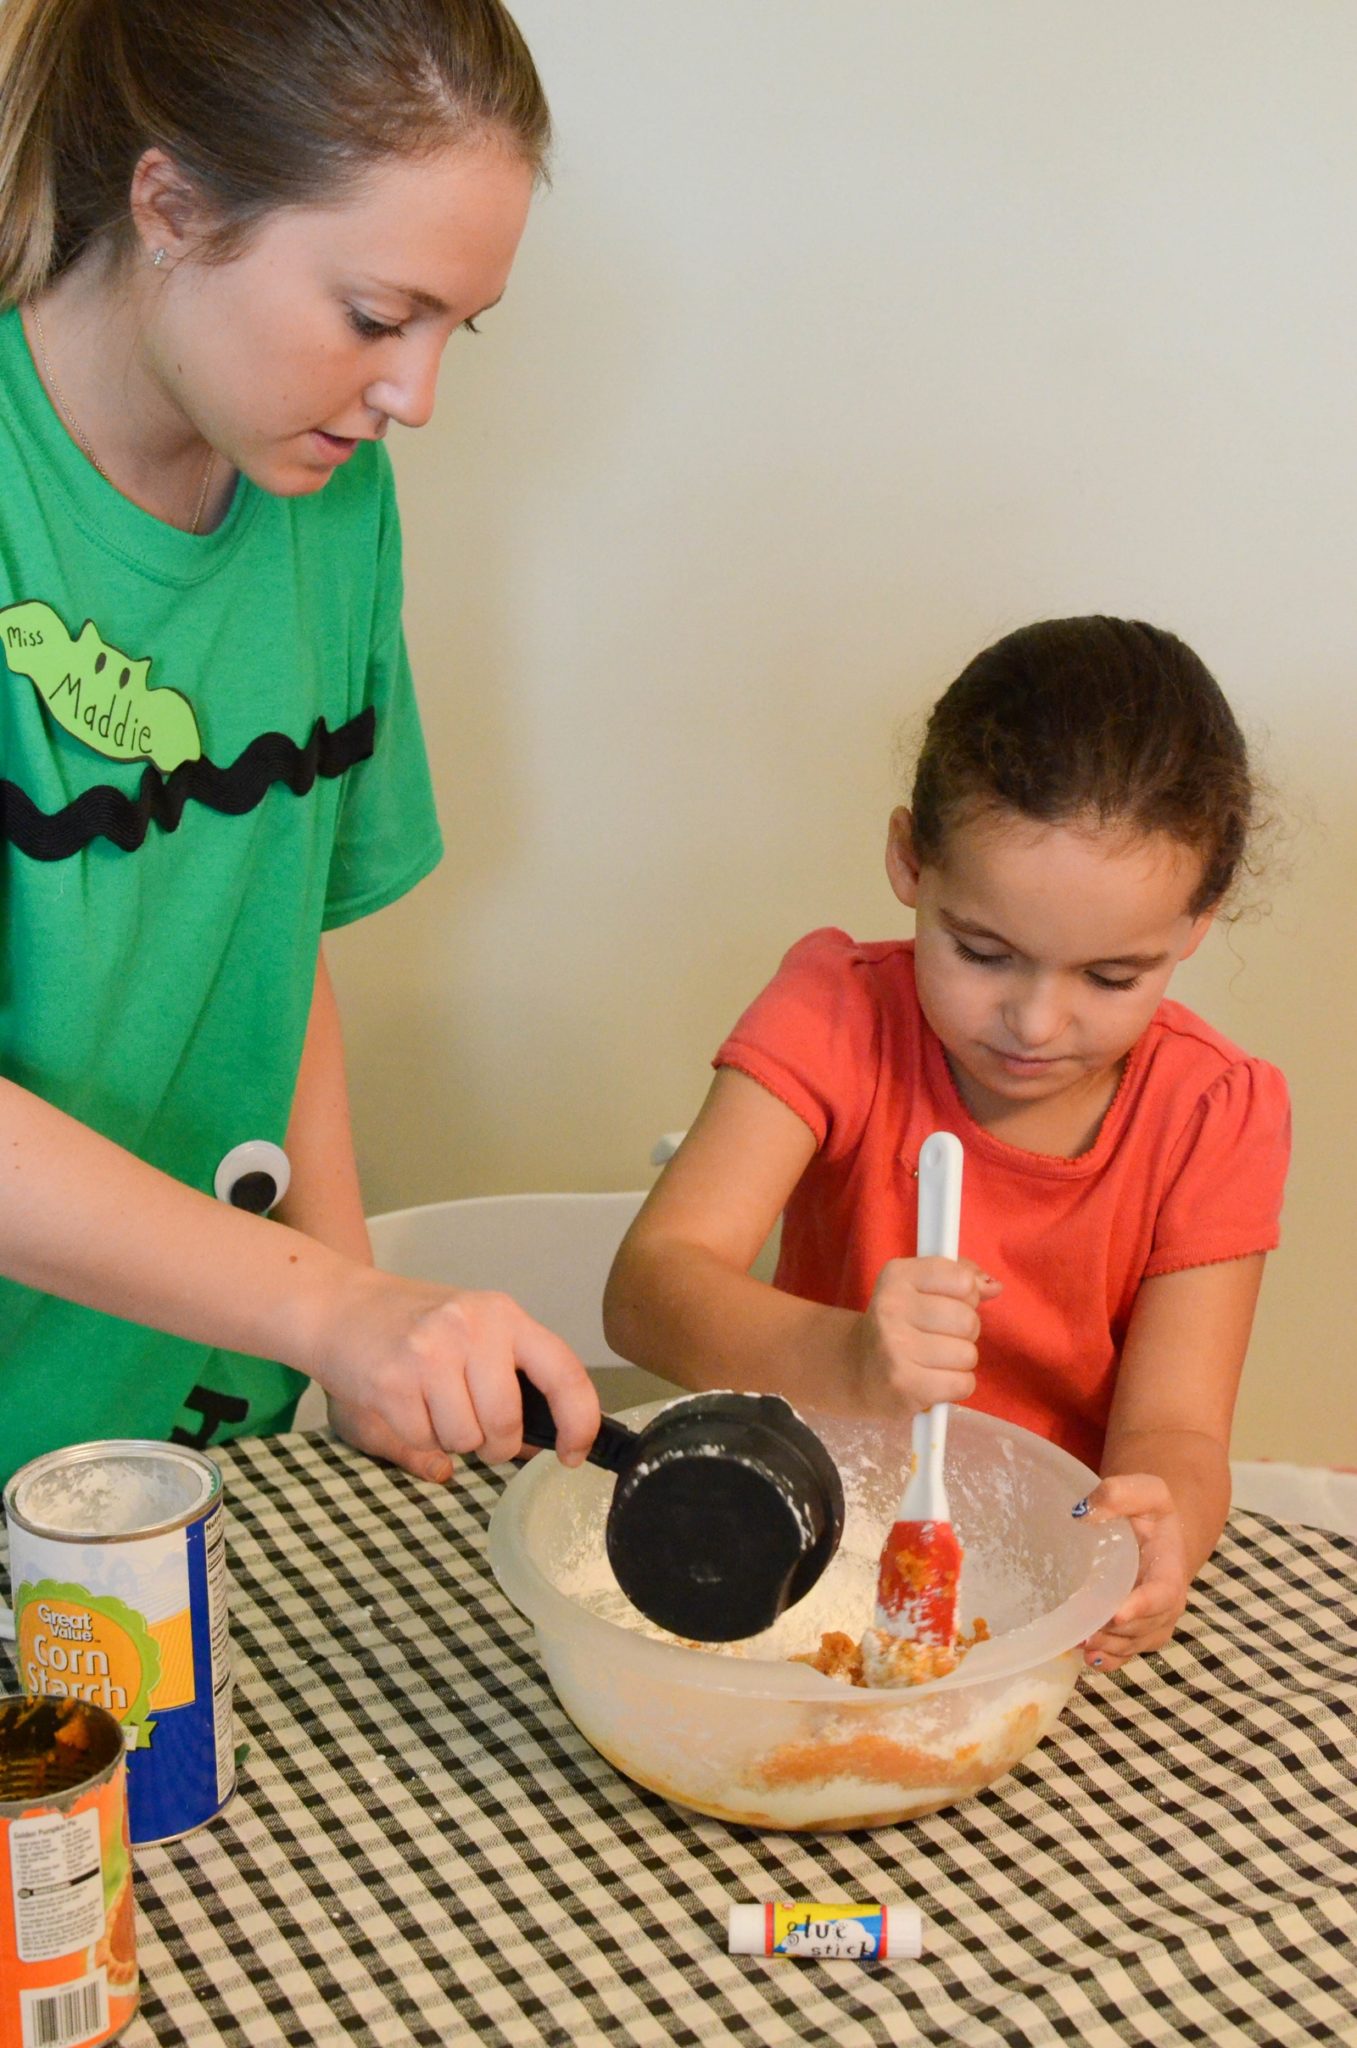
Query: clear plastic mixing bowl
x=744 y=1734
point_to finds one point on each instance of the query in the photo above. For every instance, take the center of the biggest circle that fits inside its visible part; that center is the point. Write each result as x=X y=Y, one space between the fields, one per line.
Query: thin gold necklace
x=76 y=428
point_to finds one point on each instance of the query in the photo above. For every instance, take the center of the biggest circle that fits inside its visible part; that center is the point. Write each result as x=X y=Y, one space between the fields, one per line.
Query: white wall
x=850 y=337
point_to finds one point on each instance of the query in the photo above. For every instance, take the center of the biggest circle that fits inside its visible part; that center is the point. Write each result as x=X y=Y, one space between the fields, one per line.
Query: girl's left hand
x=1149 y=1614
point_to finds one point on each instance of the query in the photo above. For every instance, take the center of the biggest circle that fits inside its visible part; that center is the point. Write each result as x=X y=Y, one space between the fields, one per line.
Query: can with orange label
x=68 y=1957
x=118 y=1564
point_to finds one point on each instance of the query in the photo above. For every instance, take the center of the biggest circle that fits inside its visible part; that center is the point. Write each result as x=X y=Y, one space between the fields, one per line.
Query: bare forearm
x=1196 y=1469
x=417 y=1371
x=81 y=1218
x=682 y=1312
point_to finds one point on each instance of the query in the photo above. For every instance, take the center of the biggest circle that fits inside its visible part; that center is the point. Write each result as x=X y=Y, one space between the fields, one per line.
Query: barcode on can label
x=219 y=1636
x=61 y=2019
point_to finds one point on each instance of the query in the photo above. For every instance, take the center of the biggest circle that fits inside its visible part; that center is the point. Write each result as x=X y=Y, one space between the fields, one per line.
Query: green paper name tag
x=97 y=693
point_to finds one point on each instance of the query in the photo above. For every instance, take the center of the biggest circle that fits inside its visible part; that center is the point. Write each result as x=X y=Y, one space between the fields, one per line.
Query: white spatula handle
x=939 y=1232
x=939 y=1235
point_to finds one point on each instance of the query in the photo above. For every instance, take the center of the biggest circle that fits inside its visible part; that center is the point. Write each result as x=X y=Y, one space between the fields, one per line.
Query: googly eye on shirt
x=254 y=1175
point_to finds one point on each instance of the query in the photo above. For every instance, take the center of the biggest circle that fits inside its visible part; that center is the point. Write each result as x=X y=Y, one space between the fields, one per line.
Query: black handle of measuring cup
x=611 y=1448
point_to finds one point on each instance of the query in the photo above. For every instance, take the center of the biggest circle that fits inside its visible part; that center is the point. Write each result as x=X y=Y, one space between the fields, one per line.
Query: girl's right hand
x=417 y=1373
x=915 y=1343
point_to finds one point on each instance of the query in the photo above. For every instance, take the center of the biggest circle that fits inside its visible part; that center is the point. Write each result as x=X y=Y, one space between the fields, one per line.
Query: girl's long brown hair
x=261 y=103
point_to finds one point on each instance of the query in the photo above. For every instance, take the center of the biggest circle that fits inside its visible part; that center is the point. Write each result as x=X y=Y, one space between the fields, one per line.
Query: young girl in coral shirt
x=1080 y=815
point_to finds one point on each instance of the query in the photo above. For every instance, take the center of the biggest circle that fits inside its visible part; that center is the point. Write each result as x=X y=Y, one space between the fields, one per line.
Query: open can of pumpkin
x=68 y=1958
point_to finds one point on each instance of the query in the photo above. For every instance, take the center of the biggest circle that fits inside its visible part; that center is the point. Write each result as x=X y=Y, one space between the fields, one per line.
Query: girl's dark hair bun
x=1108 y=720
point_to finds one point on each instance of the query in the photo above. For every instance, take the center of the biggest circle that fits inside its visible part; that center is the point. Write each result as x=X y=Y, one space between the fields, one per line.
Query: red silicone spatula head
x=919 y=1581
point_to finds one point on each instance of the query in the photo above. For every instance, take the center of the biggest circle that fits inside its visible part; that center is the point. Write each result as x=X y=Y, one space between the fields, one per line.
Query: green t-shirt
x=209 y=753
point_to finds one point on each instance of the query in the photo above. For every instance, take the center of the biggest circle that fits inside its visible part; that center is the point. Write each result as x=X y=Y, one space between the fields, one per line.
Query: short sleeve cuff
x=746 y=1060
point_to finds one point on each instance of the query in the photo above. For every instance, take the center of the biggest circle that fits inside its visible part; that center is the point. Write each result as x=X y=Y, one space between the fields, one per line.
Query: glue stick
x=869 y=1934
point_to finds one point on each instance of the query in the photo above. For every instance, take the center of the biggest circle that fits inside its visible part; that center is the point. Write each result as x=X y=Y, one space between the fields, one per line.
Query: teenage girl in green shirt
x=234 y=244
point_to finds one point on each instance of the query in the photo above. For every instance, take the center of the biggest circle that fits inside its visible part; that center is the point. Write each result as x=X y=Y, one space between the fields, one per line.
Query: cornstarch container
x=118 y=1564
x=68 y=1952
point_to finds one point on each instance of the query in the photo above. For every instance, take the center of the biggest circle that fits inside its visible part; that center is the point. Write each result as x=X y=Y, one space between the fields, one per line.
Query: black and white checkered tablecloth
x=424 y=1850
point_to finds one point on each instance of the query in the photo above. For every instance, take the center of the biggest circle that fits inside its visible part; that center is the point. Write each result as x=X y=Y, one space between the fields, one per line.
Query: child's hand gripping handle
x=611 y=1448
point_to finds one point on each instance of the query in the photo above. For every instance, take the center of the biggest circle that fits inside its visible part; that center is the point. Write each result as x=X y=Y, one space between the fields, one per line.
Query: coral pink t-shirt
x=1187 y=1170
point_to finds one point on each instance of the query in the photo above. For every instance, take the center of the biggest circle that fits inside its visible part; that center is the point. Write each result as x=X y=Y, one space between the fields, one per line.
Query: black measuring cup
x=727 y=1509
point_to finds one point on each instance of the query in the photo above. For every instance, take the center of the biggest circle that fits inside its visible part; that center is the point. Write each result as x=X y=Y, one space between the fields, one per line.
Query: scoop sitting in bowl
x=747 y=1735
x=725 y=1512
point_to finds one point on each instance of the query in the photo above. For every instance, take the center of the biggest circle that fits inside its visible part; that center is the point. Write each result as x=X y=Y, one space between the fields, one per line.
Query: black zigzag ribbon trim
x=106 y=812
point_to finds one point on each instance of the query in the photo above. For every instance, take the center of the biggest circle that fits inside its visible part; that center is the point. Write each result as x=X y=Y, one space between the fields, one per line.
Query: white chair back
x=550 y=1252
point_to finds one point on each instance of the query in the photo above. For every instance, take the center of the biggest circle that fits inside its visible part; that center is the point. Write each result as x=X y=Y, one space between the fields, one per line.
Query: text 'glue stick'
x=868 y=1934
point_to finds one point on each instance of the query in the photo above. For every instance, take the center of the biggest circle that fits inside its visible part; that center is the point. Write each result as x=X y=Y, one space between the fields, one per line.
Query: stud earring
x=158 y=258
